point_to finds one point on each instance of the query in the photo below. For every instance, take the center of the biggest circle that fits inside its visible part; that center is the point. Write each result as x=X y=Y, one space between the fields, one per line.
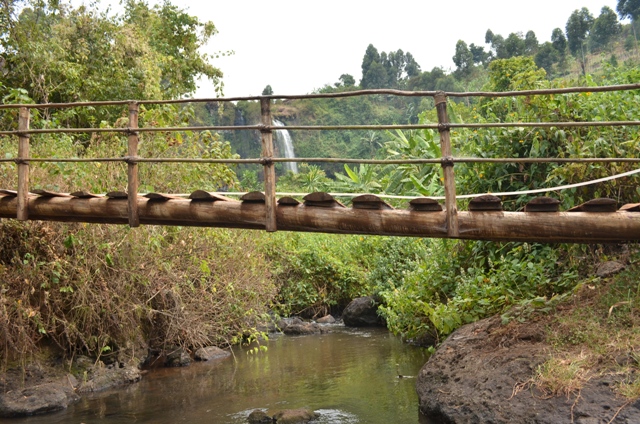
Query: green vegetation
x=103 y=290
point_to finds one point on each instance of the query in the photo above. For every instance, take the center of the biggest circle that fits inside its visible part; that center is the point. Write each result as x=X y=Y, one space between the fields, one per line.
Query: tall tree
x=578 y=26
x=605 y=27
x=628 y=9
x=530 y=43
x=463 y=59
x=559 y=41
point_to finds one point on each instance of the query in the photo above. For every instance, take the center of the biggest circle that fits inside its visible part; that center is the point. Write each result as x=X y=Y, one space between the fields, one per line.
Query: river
x=347 y=375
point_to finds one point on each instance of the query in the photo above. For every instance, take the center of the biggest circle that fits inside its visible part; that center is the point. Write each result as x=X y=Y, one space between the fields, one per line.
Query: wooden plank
x=370 y=201
x=288 y=201
x=447 y=167
x=201 y=195
x=550 y=227
x=83 y=194
x=630 y=207
x=132 y=168
x=269 y=167
x=117 y=195
x=601 y=204
x=23 y=166
x=254 y=197
x=424 y=204
x=322 y=200
x=486 y=202
x=543 y=204
x=49 y=193
x=161 y=197
x=12 y=193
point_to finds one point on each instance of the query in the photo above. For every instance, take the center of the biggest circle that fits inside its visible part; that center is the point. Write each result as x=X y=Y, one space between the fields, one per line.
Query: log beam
x=548 y=227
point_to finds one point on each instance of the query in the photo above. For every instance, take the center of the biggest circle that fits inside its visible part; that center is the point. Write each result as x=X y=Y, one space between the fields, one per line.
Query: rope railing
x=443 y=126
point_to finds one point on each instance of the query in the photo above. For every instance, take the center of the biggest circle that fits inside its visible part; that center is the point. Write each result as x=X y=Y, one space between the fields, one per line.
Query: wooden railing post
x=447 y=165
x=132 y=166
x=269 y=169
x=22 y=212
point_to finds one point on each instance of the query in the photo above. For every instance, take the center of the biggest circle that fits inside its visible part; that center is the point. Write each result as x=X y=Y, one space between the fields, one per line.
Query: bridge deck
x=593 y=222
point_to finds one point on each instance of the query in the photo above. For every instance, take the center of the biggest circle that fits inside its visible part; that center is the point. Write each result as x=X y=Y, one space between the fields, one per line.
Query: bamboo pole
x=22 y=212
x=132 y=167
x=546 y=227
x=447 y=165
x=269 y=167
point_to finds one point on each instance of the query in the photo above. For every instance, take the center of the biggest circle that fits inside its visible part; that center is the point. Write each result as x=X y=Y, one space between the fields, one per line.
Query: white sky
x=299 y=46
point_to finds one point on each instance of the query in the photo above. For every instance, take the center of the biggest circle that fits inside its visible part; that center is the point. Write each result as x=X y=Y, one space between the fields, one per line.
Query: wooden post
x=132 y=167
x=22 y=212
x=447 y=165
x=269 y=169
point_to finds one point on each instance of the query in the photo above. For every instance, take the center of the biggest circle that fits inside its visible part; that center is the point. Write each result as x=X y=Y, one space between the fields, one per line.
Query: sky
x=299 y=46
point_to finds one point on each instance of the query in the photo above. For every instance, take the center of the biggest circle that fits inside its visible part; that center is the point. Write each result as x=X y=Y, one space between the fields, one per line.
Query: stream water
x=347 y=375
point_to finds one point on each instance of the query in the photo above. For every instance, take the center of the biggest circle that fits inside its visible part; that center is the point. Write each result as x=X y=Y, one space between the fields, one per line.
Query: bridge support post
x=447 y=165
x=22 y=212
x=269 y=168
x=132 y=167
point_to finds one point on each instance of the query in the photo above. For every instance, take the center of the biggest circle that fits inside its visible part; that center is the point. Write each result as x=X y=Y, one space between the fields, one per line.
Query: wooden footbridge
x=599 y=220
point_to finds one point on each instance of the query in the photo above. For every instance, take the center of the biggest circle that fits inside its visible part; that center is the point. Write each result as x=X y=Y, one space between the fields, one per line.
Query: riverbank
x=577 y=361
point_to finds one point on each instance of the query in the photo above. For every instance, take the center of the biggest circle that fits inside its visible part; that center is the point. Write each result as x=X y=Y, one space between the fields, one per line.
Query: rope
x=467 y=196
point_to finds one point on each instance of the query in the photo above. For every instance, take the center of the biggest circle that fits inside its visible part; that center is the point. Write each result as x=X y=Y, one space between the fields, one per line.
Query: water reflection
x=348 y=376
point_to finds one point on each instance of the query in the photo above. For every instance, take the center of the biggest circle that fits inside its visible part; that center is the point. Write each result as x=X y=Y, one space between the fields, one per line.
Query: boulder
x=258 y=416
x=178 y=357
x=296 y=327
x=294 y=416
x=211 y=353
x=40 y=399
x=327 y=319
x=479 y=375
x=607 y=269
x=101 y=378
x=362 y=312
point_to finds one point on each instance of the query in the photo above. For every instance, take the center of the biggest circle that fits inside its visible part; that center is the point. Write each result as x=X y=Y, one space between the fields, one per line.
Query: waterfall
x=285 y=146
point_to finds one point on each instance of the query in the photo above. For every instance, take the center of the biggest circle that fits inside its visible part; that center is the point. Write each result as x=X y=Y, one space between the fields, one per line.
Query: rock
x=211 y=353
x=296 y=327
x=294 y=416
x=101 y=378
x=48 y=397
x=474 y=374
x=607 y=269
x=259 y=417
x=362 y=312
x=177 y=357
x=327 y=319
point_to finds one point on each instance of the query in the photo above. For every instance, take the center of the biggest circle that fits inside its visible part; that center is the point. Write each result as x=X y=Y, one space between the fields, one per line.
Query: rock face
x=473 y=378
x=296 y=327
x=211 y=353
x=362 y=312
x=48 y=397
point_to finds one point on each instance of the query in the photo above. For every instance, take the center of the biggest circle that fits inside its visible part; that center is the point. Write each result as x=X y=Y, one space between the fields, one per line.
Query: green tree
x=479 y=55
x=578 y=26
x=605 y=28
x=559 y=41
x=463 y=59
x=546 y=57
x=514 y=45
x=347 y=80
x=628 y=9
x=530 y=43
x=268 y=91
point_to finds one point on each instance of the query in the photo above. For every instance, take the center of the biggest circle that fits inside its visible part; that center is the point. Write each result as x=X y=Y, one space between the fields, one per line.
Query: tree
x=347 y=80
x=514 y=46
x=530 y=43
x=578 y=26
x=463 y=58
x=479 y=55
x=605 y=27
x=546 y=57
x=559 y=41
x=268 y=91
x=628 y=9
